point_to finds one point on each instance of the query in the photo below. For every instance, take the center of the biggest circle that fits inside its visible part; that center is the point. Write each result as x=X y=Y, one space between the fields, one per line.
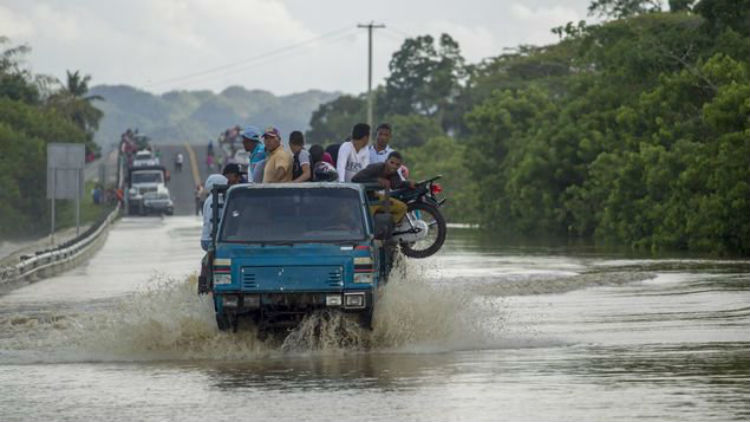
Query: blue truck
x=282 y=251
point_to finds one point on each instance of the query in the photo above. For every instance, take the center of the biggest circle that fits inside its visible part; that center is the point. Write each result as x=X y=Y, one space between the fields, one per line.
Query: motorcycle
x=422 y=231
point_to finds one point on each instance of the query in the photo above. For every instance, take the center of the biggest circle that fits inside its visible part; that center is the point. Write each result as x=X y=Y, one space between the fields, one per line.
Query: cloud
x=541 y=17
x=143 y=41
x=211 y=44
x=14 y=25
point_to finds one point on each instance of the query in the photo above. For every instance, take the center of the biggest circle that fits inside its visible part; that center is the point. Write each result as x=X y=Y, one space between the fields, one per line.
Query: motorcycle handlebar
x=430 y=180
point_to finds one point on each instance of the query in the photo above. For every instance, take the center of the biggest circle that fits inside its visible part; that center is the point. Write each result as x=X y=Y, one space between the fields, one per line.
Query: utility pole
x=369 y=27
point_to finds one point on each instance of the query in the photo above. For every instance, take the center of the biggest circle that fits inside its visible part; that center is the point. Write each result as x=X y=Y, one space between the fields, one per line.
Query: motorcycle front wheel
x=435 y=235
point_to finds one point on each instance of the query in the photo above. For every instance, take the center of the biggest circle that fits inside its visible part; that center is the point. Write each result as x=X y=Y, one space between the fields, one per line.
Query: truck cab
x=143 y=180
x=282 y=251
x=144 y=157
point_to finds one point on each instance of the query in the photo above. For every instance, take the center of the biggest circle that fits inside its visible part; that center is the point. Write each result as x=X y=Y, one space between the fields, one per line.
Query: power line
x=262 y=60
x=398 y=31
x=249 y=60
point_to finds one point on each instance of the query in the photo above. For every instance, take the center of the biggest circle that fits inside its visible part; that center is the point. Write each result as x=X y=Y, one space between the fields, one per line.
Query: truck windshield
x=284 y=215
x=147 y=177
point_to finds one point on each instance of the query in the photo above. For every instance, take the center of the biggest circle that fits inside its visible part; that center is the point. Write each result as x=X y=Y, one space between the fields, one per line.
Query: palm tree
x=71 y=100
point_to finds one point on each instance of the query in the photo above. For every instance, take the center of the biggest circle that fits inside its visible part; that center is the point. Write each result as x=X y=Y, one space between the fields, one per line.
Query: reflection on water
x=359 y=371
x=486 y=330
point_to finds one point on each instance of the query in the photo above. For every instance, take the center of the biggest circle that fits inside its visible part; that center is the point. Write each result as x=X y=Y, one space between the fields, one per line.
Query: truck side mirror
x=383 y=225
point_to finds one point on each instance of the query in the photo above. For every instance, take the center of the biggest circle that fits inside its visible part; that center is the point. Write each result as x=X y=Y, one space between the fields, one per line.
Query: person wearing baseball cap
x=255 y=150
x=278 y=160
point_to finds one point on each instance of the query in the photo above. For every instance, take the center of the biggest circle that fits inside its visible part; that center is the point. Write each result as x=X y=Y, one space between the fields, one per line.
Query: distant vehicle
x=145 y=157
x=158 y=202
x=143 y=180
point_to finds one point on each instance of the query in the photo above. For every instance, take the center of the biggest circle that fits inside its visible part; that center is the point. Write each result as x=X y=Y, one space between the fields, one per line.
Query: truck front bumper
x=238 y=302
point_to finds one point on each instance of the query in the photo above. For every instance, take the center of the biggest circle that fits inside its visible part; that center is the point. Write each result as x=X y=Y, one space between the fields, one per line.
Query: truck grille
x=248 y=279
x=294 y=278
x=335 y=279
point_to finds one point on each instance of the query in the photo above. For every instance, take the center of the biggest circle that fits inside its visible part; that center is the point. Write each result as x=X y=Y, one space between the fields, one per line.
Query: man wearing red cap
x=278 y=161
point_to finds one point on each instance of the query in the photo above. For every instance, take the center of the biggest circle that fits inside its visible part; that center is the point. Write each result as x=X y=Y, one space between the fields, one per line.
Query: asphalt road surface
x=182 y=183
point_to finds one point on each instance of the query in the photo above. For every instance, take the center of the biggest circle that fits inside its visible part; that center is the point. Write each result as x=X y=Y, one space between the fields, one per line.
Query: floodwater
x=480 y=332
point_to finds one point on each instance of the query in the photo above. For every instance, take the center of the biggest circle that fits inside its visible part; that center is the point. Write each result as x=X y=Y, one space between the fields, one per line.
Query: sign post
x=65 y=162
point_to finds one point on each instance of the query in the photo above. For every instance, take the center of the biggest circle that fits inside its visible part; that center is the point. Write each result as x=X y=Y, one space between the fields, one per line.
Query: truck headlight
x=222 y=278
x=354 y=300
x=333 y=300
x=229 y=301
x=364 y=278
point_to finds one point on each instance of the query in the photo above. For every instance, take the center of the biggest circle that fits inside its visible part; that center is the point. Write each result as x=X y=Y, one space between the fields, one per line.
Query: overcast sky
x=282 y=46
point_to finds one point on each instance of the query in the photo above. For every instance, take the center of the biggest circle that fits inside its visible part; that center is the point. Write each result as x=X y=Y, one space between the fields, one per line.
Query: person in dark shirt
x=333 y=150
x=386 y=175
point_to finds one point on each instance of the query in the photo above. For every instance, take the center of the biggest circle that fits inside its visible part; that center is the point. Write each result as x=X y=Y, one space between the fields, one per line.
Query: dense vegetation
x=635 y=131
x=35 y=110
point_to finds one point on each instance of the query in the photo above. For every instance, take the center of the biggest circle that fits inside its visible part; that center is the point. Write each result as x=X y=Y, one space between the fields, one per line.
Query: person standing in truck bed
x=278 y=160
x=353 y=155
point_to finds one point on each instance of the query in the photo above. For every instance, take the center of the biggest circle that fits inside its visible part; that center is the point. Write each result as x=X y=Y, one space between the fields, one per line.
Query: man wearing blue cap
x=255 y=150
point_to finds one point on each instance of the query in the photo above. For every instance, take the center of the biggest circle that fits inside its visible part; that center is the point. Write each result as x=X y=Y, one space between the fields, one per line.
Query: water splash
x=168 y=321
x=413 y=313
x=327 y=330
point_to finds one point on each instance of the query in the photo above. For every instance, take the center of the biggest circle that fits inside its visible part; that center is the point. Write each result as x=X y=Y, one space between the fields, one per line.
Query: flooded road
x=480 y=332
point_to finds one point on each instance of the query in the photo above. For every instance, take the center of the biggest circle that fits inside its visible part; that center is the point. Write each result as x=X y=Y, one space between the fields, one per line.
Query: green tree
x=413 y=130
x=15 y=82
x=26 y=125
x=332 y=122
x=425 y=79
x=73 y=102
x=458 y=185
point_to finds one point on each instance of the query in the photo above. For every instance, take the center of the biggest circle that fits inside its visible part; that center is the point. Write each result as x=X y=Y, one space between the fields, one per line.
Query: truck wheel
x=222 y=321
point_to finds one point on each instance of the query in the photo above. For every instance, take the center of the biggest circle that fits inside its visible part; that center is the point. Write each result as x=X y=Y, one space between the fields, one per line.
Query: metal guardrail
x=64 y=253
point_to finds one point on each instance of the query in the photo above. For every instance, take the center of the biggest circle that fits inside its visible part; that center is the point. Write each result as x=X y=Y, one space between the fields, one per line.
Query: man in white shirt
x=354 y=155
x=379 y=150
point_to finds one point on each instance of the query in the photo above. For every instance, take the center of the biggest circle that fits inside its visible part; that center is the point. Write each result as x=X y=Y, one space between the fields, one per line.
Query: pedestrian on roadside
x=198 y=201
